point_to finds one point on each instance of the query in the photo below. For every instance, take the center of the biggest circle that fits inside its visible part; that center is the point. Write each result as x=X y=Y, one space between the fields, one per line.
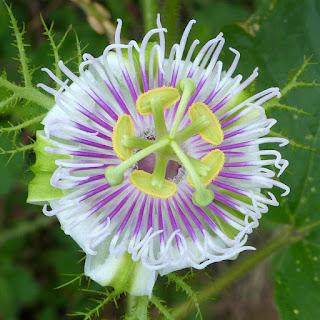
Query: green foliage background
x=278 y=36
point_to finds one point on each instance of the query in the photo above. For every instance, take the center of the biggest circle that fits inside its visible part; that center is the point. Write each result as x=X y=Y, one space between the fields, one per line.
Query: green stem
x=237 y=271
x=171 y=15
x=308 y=227
x=187 y=87
x=114 y=174
x=150 y=8
x=159 y=172
x=137 y=143
x=193 y=128
x=30 y=94
x=158 y=117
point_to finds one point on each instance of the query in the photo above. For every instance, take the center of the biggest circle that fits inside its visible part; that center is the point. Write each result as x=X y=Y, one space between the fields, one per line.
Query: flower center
x=160 y=159
x=147 y=164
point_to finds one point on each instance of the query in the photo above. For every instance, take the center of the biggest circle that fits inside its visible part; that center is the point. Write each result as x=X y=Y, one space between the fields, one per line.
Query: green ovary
x=166 y=145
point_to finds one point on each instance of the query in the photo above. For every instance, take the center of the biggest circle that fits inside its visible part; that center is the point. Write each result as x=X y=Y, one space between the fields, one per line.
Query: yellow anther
x=123 y=128
x=211 y=133
x=215 y=161
x=143 y=181
x=168 y=96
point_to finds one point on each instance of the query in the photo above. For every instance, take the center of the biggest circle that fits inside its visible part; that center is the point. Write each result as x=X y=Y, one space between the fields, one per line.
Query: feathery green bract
x=100 y=303
x=162 y=308
x=184 y=286
x=19 y=96
x=292 y=84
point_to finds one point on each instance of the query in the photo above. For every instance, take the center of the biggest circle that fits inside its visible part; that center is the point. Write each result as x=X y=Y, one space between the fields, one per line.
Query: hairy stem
x=30 y=94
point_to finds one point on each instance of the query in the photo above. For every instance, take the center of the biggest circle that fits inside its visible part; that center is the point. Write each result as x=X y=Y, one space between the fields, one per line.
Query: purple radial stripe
x=116 y=96
x=234 y=133
x=234 y=175
x=191 y=214
x=219 y=197
x=128 y=215
x=91 y=179
x=104 y=106
x=91 y=154
x=160 y=78
x=235 y=154
x=174 y=76
x=140 y=217
x=218 y=212
x=91 y=143
x=173 y=223
x=144 y=78
x=109 y=198
x=204 y=144
x=220 y=104
x=235 y=146
x=211 y=96
x=89 y=130
x=230 y=121
x=185 y=222
x=130 y=84
x=91 y=168
x=198 y=89
x=199 y=211
x=119 y=206
x=204 y=151
x=229 y=188
x=150 y=215
x=160 y=222
x=196 y=139
x=94 y=192
x=238 y=164
x=95 y=119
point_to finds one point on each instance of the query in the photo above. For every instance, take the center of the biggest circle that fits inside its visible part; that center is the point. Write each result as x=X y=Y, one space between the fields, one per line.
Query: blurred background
x=35 y=255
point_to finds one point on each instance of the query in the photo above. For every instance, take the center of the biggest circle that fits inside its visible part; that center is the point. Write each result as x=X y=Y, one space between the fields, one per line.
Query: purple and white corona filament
x=160 y=157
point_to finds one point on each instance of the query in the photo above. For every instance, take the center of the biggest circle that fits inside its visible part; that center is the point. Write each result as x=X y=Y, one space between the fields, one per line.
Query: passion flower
x=153 y=164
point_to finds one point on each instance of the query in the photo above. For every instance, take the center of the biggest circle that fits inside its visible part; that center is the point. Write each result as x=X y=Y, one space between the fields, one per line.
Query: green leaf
x=217 y=14
x=296 y=273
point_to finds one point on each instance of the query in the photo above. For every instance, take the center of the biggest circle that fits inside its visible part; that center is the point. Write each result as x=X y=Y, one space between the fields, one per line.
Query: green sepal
x=40 y=191
x=125 y=277
x=122 y=273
